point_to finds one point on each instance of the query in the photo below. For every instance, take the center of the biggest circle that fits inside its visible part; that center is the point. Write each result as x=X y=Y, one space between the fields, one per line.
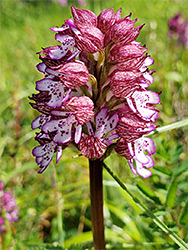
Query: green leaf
x=78 y=239
x=184 y=215
x=45 y=247
x=163 y=170
x=171 y=194
x=181 y=168
x=148 y=192
x=174 y=125
x=75 y=247
x=175 y=153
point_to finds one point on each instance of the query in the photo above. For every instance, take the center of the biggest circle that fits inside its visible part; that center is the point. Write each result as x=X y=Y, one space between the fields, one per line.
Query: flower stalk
x=96 y=197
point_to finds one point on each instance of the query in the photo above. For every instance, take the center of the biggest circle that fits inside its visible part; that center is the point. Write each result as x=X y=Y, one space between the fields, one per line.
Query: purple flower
x=8 y=209
x=175 y=24
x=94 y=93
x=183 y=34
x=142 y=101
x=44 y=154
x=179 y=27
x=136 y=150
x=93 y=145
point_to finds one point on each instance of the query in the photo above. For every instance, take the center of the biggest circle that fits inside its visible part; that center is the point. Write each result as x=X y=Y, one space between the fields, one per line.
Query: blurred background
x=55 y=207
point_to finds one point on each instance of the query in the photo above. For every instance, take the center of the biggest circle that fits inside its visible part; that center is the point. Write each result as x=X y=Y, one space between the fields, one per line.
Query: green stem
x=96 y=197
x=170 y=127
x=158 y=222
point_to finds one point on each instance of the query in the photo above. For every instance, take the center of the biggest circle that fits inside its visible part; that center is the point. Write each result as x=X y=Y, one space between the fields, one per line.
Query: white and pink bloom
x=94 y=93
x=94 y=144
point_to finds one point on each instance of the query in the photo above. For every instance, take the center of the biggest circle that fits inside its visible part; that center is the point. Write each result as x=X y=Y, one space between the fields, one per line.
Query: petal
x=107 y=125
x=41 y=67
x=46 y=153
x=84 y=16
x=139 y=151
x=143 y=99
x=54 y=125
x=59 y=53
x=72 y=74
x=74 y=54
x=89 y=128
x=64 y=135
x=148 y=61
x=145 y=173
x=60 y=113
x=109 y=139
x=82 y=107
x=67 y=43
x=43 y=85
x=40 y=121
x=131 y=151
x=39 y=160
x=60 y=29
x=38 y=151
x=131 y=165
x=111 y=123
x=148 y=77
x=65 y=39
x=91 y=147
x=78 y=133
x=101 y=115
x=148 y=145
x=150 y=164
x=55 y=89
x=131 y=105
x=84 y=116
x=57 y=95
x=53 y=72
x=59 y=153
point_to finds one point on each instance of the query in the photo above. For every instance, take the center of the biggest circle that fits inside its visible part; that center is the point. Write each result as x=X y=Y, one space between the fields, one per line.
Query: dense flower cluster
x=94 y=91
x=179 y=27
x=7 y=208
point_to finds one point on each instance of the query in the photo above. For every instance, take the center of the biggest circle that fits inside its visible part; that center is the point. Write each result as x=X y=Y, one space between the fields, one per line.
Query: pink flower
x=8 y=209
x=94 y=93
x=141 y=102
x=72 y=74
x=94 y=144
x=131 y=127
x=179 y=27
x=137 y=149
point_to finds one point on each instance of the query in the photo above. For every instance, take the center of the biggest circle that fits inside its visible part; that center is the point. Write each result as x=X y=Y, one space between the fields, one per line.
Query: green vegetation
x=55 y=207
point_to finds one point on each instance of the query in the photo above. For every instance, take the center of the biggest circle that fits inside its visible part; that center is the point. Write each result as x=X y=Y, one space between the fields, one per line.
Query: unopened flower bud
x=73 y=74
x=83 y=16
x=90 y=39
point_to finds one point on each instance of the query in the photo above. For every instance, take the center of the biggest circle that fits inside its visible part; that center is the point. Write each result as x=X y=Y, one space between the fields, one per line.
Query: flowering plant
x=94 y=95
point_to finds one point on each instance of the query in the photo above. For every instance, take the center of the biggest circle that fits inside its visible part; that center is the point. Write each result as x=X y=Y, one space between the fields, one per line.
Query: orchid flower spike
x=94 y=93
